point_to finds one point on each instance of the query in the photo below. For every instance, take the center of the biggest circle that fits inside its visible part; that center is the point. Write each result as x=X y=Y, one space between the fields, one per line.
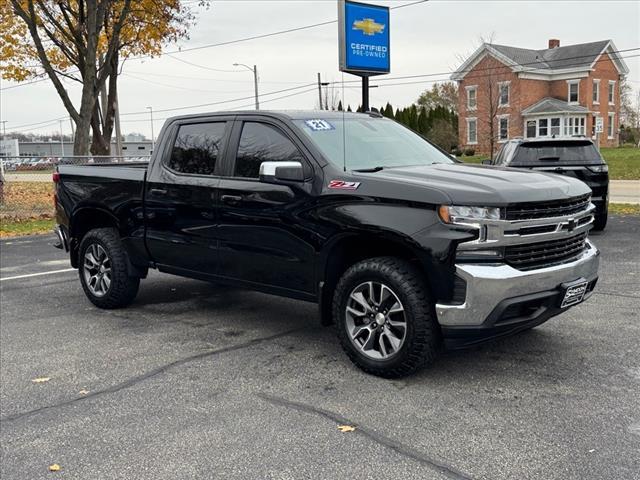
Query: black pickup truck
x=404 y=249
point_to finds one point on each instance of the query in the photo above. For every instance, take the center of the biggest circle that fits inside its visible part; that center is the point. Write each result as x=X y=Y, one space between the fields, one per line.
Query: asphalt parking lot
x=200 y=381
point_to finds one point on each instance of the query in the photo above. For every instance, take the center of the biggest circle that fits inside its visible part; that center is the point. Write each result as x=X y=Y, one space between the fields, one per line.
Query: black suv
x=575 y=157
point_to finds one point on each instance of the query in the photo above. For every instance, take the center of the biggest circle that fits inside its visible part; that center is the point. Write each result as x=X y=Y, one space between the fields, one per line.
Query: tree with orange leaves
x=86 y=41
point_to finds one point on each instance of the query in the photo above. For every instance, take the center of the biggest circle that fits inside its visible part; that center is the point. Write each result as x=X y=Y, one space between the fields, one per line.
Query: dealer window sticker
x=319 y=125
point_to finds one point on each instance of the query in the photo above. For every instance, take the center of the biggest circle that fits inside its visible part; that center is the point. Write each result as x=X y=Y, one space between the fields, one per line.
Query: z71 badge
x=342 y=185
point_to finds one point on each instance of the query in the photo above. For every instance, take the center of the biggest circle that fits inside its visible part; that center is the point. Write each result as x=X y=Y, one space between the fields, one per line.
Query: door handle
x=231 y=199
x=158 y=191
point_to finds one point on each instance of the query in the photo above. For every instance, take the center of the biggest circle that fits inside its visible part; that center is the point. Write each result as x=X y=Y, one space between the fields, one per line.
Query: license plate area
x=574 y=292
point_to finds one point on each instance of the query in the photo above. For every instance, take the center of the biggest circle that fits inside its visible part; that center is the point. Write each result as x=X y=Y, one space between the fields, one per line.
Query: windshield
x=558 y=152
x=367 y=143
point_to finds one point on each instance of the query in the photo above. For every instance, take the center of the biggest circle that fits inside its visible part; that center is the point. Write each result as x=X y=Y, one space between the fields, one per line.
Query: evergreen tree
x=349 y=108
x=388 y=111
x=412 y=120
x=340 y=106
x=423 y=121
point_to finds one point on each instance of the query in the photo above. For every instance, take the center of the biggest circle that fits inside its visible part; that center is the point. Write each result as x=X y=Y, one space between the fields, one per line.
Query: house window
x=555 y=126
x=572 y=96
x=574 y=126
x=531 y=128
x=504 y=94
x=472 y=131
x=596 y=92
x=611 y=125
x=543 y=127
x=472 y=97
x=611 y=92
x=503 y=128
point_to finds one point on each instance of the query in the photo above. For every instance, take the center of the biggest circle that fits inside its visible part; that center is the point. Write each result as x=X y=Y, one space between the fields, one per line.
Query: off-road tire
x=124 y=287
x=422 y=342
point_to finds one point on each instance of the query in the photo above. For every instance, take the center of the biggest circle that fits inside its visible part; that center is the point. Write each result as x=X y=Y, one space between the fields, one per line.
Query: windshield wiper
x=369 y=170
x=548 y=158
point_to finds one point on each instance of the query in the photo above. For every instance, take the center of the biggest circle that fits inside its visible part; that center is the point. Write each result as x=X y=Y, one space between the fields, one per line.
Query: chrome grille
x=545 y=254
x=555 y=208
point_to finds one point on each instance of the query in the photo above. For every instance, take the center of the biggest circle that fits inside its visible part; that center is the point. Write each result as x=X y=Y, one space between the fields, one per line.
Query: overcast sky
x=425 y=38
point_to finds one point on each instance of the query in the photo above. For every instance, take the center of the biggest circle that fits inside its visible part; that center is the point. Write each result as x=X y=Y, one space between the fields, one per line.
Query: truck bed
x=115 y=189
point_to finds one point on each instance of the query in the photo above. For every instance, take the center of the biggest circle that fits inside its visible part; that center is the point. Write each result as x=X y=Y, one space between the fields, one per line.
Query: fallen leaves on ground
x=41 y=379
x=346 y=428
x=54 y=468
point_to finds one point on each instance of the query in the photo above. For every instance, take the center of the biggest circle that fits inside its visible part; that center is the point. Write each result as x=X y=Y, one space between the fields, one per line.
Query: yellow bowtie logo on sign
x=368 y=26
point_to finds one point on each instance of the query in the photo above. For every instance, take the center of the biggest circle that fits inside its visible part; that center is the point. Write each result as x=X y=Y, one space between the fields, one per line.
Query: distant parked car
x=574 y=157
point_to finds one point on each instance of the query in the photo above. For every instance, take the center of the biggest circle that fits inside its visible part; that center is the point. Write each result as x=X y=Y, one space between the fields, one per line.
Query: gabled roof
x=572 y=58
x=553 y=105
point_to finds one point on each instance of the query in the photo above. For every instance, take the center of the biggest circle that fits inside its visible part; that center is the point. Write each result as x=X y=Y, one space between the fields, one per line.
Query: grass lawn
x=624 y=162
x=624 y=209
x=9 y=228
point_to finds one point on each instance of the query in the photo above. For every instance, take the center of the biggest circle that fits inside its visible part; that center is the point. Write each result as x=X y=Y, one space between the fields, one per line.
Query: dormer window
x=573 y=87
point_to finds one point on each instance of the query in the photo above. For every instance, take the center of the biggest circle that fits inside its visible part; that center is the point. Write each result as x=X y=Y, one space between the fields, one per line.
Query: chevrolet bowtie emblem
x=368 y=26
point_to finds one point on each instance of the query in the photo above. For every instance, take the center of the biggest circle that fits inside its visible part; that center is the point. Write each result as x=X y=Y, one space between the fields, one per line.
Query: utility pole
x=320 y=85
x=153 y=141
x=255 y=80
x=255 y=85
x=319 y=91
x=365 y=94
x=118 y=132
x=61 y=141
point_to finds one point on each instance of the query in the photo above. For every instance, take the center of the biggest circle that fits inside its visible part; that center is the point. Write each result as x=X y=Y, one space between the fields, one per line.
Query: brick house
x=507 y=92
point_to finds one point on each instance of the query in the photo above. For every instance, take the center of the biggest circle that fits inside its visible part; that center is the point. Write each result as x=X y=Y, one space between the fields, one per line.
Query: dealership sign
x=363 y=34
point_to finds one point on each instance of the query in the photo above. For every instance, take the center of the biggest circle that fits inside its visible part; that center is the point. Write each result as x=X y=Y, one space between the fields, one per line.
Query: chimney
x=554 y=43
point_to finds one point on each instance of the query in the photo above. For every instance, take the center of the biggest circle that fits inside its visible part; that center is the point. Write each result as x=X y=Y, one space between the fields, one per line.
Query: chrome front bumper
x=489 y=285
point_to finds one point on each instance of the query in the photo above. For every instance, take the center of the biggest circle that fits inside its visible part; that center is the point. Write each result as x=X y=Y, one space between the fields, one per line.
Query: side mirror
x=281 y=172
x=487 y=162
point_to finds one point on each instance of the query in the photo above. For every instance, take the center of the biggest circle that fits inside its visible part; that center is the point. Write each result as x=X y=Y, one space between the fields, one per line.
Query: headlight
x=599 y=168
x=459 y=214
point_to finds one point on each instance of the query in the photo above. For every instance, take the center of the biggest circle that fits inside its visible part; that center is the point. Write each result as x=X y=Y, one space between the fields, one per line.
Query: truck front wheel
x=103 y=269
x=384 y=317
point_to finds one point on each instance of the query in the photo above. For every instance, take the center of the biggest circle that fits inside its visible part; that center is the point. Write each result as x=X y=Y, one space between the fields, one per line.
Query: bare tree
x=494 y=97
x=331 y=97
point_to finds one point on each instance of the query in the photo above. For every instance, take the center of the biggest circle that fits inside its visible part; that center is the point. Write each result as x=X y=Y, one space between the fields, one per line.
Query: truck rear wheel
x=103 y=269
x=384 y=317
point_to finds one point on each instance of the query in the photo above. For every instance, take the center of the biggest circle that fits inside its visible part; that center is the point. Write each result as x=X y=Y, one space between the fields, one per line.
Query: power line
x=170 y=55
x=229 y=42
x=207 y=79
x=50 y=121
x=306 y=85
x=179 y=87
x=220 y=102
x=235 y=108
x=386 y=79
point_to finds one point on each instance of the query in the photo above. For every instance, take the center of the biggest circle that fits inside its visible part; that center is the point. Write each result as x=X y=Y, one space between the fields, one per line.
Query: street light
x=153 y=142
x=255 y=79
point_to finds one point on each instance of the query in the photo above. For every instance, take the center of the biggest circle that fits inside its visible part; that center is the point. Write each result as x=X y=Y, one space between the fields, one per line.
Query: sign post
x=599 y=129
x=364 y=42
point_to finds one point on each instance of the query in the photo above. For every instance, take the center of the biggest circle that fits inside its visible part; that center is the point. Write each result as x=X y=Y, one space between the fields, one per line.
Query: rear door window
x=197 y=148
x=557 y=153
x=259 y=143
